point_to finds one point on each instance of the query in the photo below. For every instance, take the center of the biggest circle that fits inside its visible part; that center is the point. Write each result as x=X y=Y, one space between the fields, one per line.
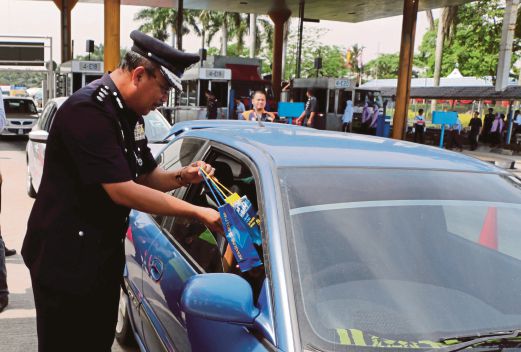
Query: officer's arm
x=142 y=198
x=165 y=181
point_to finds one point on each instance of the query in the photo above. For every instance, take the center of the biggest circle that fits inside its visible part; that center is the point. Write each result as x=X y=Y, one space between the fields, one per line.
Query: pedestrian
x=487 y=125
x=373 y=122
x=211 y=105
x=239 y=108
x=419 y=127
x=4 y=292
x=475 y=125
x=98 y=167
x=307 y=118
x=517 y=121
x=347 y=118
x=455 y=135
x=366 y=117
x=496 y=130
x=258 y=112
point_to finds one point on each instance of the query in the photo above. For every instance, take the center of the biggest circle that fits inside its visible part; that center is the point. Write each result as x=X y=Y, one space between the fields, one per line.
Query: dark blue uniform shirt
x=74 y=239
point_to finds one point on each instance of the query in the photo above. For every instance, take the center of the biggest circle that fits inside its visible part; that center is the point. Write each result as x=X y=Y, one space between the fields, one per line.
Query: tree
x=157 y=22
x=384 y=66
x=333 y=57
x=474 y=46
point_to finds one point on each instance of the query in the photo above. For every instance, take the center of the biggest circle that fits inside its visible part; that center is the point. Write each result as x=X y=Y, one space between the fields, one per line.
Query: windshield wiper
x=479 y=338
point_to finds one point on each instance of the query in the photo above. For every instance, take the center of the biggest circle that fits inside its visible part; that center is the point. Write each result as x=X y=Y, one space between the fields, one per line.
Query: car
x=21 y=115
x=156 y=129
x=367 y=243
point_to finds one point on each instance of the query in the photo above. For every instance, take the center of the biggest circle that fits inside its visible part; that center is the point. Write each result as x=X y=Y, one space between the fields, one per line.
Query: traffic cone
x=488 y=236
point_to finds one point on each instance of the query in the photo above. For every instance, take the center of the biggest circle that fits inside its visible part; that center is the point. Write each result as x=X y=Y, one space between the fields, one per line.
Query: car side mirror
x=219 y=297
x=38 y=136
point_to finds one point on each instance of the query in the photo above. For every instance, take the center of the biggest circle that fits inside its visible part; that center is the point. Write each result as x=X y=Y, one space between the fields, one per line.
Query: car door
x=37 y=149
x=165 y=268
x=185 y=249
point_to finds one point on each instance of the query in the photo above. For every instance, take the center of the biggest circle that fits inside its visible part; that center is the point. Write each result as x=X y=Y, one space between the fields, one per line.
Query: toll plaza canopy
x=459 y=93
x=333 y=10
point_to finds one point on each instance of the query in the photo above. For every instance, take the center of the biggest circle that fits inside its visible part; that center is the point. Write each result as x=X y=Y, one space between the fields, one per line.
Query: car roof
x=184 y=126
x=294 y=146
x=18 y=98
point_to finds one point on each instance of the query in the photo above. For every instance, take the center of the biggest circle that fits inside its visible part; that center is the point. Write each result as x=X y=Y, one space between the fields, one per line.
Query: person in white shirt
x=347 y=118
x=239 y=108
x=419 y=127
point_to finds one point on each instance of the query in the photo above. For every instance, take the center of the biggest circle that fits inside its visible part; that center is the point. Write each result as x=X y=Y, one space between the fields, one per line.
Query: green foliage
x=22 y=78
x=98 y=53
x=384 y=66
x=475 y=44
x=333 y=57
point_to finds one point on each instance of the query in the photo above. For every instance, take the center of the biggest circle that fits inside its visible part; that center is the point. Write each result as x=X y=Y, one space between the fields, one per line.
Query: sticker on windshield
x=355 y=337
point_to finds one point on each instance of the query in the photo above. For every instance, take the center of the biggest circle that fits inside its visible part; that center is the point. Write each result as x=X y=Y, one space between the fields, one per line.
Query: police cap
x=172 y=62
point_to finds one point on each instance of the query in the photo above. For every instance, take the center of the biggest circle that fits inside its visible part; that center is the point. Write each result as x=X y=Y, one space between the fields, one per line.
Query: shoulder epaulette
x=101 y=93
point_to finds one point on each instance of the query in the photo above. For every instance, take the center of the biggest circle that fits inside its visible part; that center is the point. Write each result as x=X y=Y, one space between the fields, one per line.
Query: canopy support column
x=112 y=34
x=179 y=24
x=507 y=39
x=65 y=7
x=410 y=12
x=279 y=14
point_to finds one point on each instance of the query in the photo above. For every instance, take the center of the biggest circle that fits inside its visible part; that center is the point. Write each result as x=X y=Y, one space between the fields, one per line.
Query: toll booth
x=195 y=81
x=332 y=95
x=74 y=74
x=228 y=78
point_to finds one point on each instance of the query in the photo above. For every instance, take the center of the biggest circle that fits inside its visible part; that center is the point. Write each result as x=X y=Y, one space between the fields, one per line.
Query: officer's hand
x=211 y=218
x=309 y=123
x=191 y=174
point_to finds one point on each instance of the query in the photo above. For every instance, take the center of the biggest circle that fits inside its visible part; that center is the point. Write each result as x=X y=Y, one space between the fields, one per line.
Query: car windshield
x=156 y=126
x=401 y=258
x=19 y=106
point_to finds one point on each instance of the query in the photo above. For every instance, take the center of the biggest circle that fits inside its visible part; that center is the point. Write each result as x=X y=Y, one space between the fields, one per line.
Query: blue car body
x=159 y=270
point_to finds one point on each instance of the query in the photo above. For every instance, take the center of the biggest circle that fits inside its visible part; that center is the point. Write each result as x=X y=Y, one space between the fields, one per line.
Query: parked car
x=156 y=128
x=367 y=243
x=21 y=115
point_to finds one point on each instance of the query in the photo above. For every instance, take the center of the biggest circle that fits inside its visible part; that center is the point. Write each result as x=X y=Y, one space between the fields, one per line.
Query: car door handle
x=155 y=270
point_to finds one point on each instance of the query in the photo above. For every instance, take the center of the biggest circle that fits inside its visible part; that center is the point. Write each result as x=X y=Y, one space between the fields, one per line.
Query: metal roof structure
x=332 y=10
x=455 y=93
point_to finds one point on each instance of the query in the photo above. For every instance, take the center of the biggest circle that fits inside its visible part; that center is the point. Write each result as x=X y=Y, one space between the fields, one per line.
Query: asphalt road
x=18 y=321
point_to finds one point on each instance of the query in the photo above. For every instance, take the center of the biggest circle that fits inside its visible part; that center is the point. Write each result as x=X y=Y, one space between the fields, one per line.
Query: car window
x=156 y=126
x=19 y=106
x=178 y=154
x=45 y=115
x=211 y=252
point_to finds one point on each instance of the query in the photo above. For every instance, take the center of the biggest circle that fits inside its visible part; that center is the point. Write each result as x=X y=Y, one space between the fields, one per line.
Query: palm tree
x=446 y=27
x=157 y=21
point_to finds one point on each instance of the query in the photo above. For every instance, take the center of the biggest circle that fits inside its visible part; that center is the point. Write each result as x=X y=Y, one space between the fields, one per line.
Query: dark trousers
x=80 y=323
x=419 y=134
x=454 y=140
x=346 y=127
x=473 y=139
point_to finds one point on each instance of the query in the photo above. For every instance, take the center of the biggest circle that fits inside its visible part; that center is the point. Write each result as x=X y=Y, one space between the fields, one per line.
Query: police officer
x=308 y=115
x=97 y=167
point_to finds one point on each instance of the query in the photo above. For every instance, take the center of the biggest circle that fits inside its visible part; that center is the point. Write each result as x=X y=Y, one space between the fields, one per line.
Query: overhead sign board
x=87 y=66
x=215 y=73
x=21 y=54
x=342 y=83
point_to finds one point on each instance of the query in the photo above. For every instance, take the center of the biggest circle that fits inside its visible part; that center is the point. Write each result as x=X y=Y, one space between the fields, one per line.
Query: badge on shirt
x=139 y=132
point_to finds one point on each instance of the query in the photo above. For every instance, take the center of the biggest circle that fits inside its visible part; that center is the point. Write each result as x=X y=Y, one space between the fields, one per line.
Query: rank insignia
x=139 y=132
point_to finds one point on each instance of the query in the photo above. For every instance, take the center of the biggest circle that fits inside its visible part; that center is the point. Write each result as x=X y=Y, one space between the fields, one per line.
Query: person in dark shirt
x=487 y=125
x=307 y=118
x=97 y=167
x=211 y=105
x=475 y=125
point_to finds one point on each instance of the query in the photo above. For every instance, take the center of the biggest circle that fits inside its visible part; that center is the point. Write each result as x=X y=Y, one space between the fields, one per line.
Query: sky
x=42 y=18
